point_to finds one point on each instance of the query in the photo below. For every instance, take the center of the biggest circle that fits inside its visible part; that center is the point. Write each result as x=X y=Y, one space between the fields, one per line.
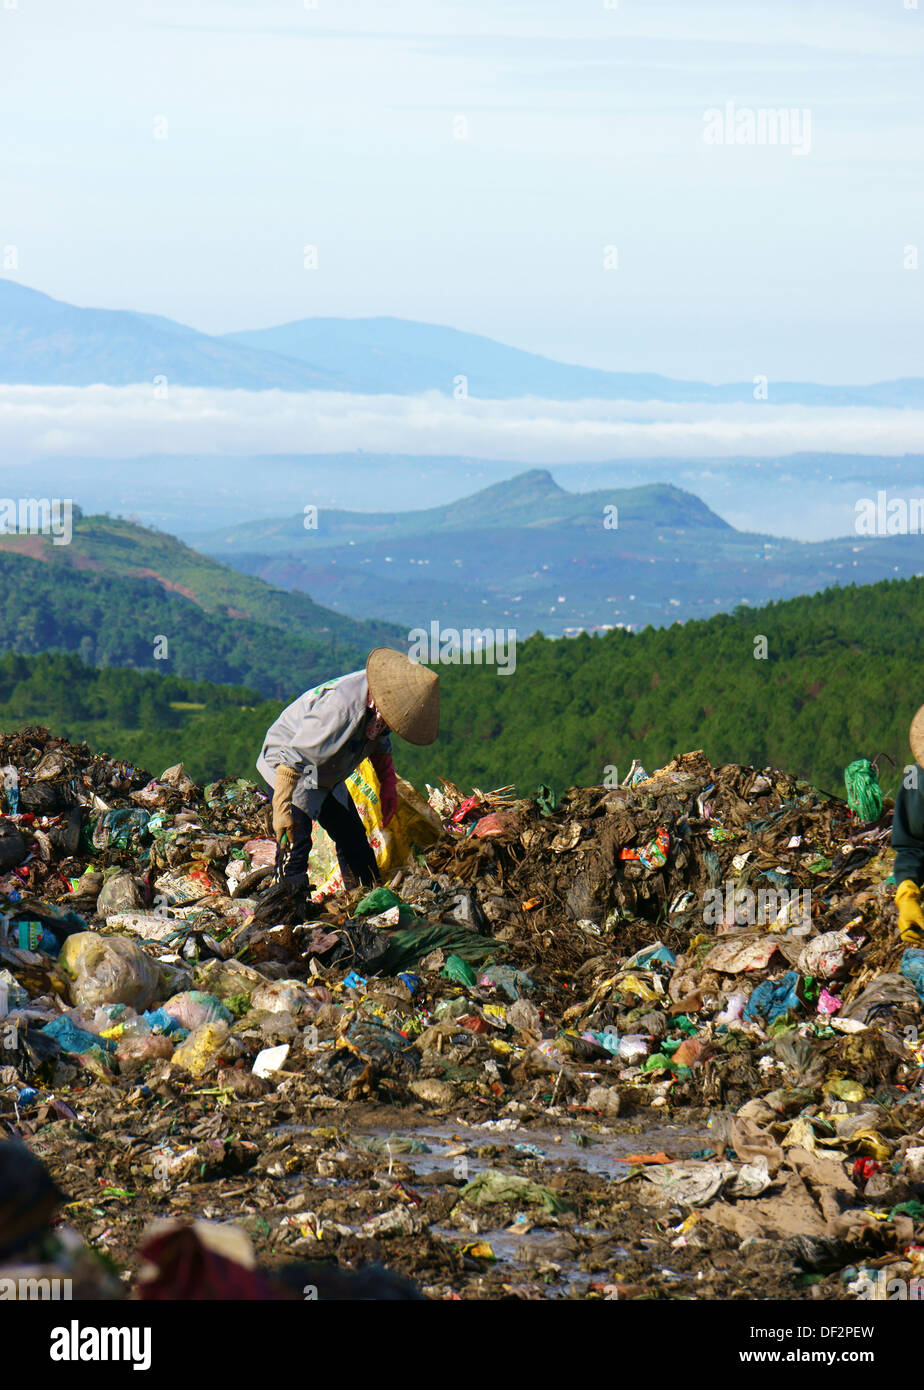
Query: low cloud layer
x=126 y=422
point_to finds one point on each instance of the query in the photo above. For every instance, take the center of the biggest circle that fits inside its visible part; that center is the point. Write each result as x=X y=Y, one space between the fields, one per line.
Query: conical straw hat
x=406 y=694
x=916 y=737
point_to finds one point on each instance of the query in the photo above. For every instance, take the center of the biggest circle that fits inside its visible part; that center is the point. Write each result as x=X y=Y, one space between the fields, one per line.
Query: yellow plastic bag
x=201 y=1047
x=414 y=826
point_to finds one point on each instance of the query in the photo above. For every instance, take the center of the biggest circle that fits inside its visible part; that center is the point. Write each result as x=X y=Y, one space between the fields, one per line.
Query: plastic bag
x=109 y=970
x=194 y=1007
x=72 y=1039
x=148 y=1047
x=120 y=893
x=202 y=1047
x=283 y=996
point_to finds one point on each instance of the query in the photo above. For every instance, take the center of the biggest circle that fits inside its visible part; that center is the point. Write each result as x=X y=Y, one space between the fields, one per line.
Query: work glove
x=388 y=784
x=910 y=916
x=283 y=820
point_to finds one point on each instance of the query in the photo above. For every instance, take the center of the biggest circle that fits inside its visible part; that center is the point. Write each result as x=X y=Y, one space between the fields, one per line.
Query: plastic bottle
x=11 y=788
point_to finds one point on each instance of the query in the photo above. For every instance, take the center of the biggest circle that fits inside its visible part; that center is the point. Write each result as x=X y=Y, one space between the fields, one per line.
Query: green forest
x=807 y=684
x=126 y=595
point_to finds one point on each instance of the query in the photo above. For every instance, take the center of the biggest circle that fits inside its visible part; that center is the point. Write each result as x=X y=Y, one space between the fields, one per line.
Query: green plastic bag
x=459 y=970
x=379 y=900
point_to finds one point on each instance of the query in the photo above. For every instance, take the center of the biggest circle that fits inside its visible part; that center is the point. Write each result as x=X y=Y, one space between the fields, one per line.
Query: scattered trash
x=610 y=1035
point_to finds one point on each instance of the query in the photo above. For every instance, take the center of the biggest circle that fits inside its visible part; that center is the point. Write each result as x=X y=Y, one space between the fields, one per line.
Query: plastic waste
x=770 y=1000
x=76 y=1040
x=283 y=996
x=270 y=1060
x=152 y=1047
x=202 y=1047
x=379 y=900
x=492 y=1185
x=633 y=1048
x=120 y=893
x=193 y=1007
x=511 y=982
x=109 y=970
x=459 y=970
x=912 y=967
x=10 y=788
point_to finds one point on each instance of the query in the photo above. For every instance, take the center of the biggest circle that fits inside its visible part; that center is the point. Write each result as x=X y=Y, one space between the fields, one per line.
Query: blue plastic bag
x=772 y=999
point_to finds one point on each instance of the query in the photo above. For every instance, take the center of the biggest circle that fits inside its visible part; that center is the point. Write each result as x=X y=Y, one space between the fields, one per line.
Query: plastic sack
x=146 y=1047
x=202 y=1047
x=283 y=996
x=109 y=970
x=413 y=824
x=120 y=893
x=194 y=1007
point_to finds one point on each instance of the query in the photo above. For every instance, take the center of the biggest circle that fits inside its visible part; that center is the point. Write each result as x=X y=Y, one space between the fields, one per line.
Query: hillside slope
x=118 y=587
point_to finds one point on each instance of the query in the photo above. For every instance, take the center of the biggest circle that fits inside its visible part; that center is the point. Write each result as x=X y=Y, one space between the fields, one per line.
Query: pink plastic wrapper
x=828 y=1003
x=262 y=853
x=495 y=823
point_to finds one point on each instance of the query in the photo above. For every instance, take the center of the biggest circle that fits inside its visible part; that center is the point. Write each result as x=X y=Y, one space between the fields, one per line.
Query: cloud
x=39 y=422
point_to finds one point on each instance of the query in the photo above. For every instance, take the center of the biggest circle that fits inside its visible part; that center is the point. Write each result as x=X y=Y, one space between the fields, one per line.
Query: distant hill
x=403 y=357
x=44 y=341
x=117 y=587
x=527 y=554
x=532 y=500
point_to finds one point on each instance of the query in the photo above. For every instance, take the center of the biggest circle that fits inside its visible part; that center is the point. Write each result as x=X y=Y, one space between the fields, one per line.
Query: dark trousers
x=343 y=825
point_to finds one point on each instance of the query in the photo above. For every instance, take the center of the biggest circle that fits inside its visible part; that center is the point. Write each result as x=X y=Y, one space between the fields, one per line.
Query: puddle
x=599 y=1154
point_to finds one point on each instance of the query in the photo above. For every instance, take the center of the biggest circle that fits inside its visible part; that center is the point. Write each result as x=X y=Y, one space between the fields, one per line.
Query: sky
x=470 y=163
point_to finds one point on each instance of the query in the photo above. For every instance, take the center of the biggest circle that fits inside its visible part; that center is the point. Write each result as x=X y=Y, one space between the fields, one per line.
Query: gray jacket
x=322 y=735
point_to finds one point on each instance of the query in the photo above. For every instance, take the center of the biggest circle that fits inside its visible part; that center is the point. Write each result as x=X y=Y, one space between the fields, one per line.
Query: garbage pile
x=655 y=1039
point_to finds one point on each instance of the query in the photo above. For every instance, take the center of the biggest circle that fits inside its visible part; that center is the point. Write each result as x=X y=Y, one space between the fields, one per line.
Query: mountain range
x=48 y=342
